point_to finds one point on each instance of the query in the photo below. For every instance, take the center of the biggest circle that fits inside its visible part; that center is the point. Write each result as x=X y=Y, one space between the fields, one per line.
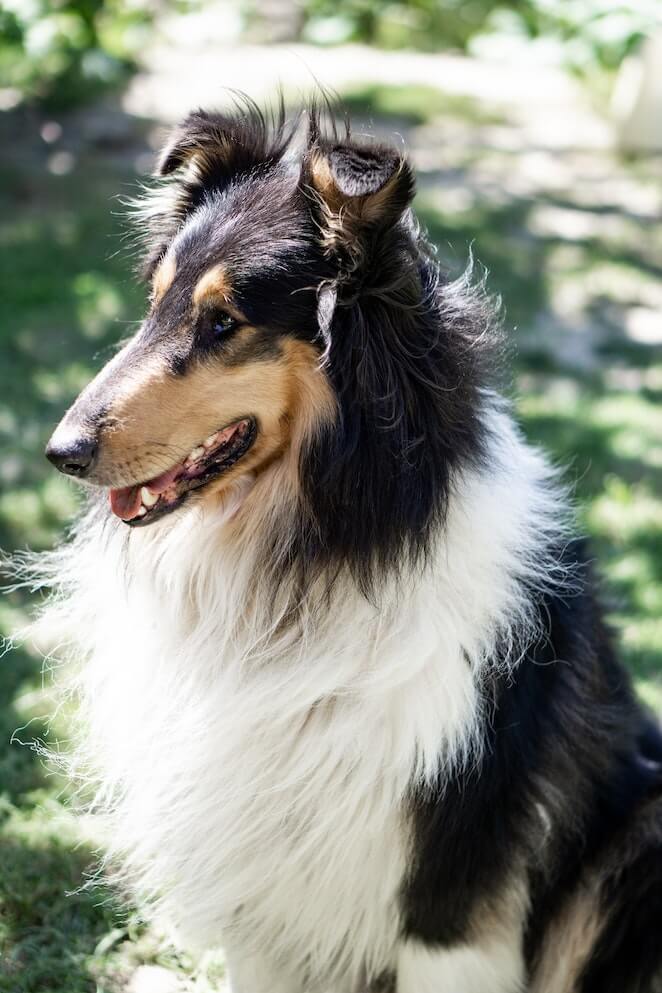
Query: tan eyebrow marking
x=163 y=277
x=215 y=285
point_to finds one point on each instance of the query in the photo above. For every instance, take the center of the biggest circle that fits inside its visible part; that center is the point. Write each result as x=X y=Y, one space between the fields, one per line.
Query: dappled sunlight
x=45 y=866
x=62 y=385
x=34 y=515
x=609 y=443
x=514 y=166
x=99 y=302
x=644 y=324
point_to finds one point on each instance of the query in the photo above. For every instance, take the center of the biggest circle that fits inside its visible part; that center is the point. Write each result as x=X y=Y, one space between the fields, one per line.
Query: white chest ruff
x=266 y=806
x=257 y=782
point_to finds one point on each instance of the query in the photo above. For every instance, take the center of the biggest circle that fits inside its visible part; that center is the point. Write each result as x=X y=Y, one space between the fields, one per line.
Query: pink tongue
x=125 y=502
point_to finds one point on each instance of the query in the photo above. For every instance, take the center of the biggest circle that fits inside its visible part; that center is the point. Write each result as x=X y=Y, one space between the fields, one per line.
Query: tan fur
x=163 y=277
x=215 y=285
x=498 y=925
x=154 y=418
x=198 y=158
x=309 y=403
x=570 y=940
x=502 y=915
x=323 y=182
x=379 y=203
x=342 y=211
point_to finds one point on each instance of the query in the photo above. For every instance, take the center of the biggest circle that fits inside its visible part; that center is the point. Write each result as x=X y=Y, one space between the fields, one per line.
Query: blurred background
x=536 y=130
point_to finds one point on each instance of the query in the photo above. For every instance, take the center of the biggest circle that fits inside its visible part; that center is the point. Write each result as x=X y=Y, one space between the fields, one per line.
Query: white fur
x=489 y=967
x=254 y=773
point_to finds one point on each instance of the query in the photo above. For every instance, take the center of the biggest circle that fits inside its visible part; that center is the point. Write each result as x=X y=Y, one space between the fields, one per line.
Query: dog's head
x=293 y=314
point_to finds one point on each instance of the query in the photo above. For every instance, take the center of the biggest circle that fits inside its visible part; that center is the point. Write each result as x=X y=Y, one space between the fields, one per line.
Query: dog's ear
x=203 y=138
x=359 y=191
x=203 y=155
x=220 y=146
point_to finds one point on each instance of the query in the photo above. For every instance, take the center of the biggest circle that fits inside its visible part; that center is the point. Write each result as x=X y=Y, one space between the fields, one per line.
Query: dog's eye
x=222 y=324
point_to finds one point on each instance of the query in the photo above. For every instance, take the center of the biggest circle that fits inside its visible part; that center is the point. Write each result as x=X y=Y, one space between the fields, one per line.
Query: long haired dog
x=346 y=688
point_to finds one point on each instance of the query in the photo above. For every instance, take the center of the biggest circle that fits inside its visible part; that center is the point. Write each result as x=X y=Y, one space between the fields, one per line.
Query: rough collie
x=346 y=688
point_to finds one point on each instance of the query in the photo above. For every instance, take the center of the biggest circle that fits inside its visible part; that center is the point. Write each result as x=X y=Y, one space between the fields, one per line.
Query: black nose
x=73 y=456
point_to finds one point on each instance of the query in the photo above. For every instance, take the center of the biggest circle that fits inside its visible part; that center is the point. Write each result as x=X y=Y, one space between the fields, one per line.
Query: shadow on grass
x=49 y=927
x=67 y=298
x=518 y=261
x=21 y=770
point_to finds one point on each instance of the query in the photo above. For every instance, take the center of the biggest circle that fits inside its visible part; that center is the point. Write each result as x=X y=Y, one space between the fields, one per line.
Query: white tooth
x=142 y=512
x=196 y=454
x=147 y=497
x=211 y=440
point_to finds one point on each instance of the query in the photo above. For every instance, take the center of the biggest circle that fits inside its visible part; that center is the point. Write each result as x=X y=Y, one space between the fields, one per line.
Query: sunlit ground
x=572 y=244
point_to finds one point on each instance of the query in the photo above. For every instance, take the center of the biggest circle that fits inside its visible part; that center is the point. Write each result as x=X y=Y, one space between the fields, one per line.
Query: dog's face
x=224 y=375
x=211 y=386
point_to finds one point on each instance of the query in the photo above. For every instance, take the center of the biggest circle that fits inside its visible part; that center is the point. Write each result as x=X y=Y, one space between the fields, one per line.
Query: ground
x=523 y=177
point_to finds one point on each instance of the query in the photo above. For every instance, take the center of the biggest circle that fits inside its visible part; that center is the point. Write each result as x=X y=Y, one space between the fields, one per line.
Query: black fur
x=225 y=147
x=401 y=365
x=397 y=337
x=628 y=955
x=565 y=733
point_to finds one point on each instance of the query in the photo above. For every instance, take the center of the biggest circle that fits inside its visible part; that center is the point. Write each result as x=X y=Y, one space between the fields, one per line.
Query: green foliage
x=592 y=32
x=423 y=24
x=59 y=54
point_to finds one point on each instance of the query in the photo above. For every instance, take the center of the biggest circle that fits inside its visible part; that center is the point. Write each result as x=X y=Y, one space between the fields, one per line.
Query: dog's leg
x=488 y=967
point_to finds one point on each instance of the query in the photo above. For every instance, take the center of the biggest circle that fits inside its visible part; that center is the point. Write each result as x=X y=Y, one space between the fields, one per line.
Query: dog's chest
x=290 y=841
x=322 y=858
x=261 y=801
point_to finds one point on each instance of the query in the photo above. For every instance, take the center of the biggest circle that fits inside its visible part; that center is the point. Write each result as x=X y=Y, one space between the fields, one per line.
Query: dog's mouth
x=146 y=502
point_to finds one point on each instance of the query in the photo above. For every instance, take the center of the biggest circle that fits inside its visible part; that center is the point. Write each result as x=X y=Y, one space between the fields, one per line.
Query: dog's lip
x=149 y=500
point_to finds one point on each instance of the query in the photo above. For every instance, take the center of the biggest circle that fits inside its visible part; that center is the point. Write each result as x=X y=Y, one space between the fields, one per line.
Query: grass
x=67 y=297
x=414 y=104
x=590 y=396
x=598 y=415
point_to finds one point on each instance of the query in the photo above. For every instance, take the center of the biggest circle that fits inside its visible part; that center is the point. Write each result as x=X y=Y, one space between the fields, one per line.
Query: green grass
x=413 y=104
x=67 y=297
x=601 y=421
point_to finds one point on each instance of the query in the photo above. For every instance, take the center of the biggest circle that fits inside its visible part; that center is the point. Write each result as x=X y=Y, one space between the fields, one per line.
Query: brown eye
x=222 y=324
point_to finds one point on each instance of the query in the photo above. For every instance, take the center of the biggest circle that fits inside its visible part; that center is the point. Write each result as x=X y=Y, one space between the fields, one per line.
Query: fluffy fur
x=356 y=717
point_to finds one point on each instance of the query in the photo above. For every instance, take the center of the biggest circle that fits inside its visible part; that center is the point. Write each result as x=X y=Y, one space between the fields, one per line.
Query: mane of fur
x=216 y=732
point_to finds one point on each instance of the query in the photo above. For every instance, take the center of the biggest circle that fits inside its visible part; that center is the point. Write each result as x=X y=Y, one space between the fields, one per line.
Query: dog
x=345 y=682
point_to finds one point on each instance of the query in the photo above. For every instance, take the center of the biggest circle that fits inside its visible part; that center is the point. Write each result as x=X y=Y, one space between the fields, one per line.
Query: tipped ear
x=359 y=187
x=210 y=149
x=221 y=146
x=199 y=134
